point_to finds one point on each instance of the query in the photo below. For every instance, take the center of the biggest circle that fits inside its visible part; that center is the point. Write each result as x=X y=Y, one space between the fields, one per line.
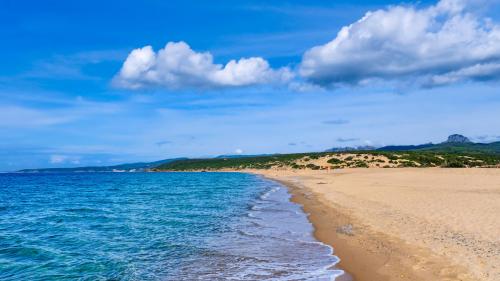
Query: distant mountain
x=456 y=138
x=348 y=148
x=405 y=147
x=129 y=167
x=242 y=155
x=467 y=147
x=454 y=144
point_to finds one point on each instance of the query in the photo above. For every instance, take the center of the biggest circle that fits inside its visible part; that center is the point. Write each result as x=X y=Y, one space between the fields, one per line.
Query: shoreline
x=358 y=263
x=366 y=253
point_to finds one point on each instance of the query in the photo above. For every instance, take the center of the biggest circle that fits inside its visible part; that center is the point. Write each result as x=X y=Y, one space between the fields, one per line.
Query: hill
x=337 y=160
x=454 y=144
x=129 y=167
x=456 y=151
x=405 y=147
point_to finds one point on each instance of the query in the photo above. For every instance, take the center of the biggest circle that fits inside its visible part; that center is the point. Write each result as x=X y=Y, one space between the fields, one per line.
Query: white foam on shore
x=299 y=230
x=272 y=241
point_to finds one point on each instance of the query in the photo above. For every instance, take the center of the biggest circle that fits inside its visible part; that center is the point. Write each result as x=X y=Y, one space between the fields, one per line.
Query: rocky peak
x=456 y=138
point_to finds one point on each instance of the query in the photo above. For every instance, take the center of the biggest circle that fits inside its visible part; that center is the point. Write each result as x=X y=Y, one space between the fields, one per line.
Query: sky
x=106 y=82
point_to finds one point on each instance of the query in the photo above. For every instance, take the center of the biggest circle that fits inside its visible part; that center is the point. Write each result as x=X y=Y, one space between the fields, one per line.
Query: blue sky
x=73 y=93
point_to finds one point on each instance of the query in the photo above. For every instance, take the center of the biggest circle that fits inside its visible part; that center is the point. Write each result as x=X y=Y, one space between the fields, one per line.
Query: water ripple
x=155 y=226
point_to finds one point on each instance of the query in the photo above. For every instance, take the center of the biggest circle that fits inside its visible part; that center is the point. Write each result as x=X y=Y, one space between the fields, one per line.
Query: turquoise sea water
x=155 y=226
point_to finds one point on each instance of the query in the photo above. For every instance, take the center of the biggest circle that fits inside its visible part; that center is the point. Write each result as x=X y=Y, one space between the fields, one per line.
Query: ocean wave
x=156 y=226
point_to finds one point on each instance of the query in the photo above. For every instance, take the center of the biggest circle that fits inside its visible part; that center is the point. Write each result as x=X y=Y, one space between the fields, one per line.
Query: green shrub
x=407 y=164
x=361 y=164
x=334 y=161
x=392 y=157
x=313 y=167
x=454 y=164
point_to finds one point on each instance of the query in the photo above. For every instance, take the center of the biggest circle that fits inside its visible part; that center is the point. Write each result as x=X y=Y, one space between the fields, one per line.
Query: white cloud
x=441 y=44
x=238 y=151
x=178 y=66
x=58 y=159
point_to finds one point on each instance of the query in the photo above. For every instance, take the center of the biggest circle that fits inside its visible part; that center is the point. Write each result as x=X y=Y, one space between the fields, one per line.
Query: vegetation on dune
x=329 y=160
x=257 y=162
x=335 y=161
x=457 y=152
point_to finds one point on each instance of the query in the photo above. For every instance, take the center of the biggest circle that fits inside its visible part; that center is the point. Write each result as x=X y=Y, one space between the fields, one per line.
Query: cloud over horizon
x=178 y=66
x=438 y=45
x=442 y=44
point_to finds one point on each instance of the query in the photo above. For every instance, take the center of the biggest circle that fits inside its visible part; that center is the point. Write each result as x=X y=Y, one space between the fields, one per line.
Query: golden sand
x=405 y=224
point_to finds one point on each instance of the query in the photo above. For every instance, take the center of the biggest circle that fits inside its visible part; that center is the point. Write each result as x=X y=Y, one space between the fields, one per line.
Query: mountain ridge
x=455 y=143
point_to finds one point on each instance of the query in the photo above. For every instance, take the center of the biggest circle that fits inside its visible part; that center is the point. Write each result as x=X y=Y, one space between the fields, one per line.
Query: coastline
x=371 y=253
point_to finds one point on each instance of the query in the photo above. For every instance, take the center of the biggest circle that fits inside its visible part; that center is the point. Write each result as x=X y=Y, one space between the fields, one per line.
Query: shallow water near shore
x=155 y=226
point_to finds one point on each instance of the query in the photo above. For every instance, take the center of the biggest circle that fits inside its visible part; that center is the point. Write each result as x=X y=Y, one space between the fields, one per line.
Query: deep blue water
x=155 y=226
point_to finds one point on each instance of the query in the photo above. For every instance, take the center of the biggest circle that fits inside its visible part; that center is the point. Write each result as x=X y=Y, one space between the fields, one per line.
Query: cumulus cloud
x=178 y=66
x=437 y=45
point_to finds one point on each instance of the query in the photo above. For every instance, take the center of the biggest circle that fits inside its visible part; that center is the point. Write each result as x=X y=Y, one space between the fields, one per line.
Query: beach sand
x=404 y=224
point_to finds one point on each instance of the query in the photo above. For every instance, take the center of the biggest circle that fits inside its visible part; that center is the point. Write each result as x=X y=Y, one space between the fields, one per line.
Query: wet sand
x=404 y=224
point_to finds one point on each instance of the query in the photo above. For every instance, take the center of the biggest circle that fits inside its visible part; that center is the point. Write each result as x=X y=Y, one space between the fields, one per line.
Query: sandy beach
x=404 y=224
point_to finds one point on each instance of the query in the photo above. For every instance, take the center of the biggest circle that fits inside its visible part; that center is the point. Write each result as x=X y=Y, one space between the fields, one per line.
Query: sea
x=155 y=226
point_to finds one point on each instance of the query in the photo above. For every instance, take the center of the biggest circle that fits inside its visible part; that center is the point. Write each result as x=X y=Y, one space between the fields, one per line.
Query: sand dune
x=405 y=224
